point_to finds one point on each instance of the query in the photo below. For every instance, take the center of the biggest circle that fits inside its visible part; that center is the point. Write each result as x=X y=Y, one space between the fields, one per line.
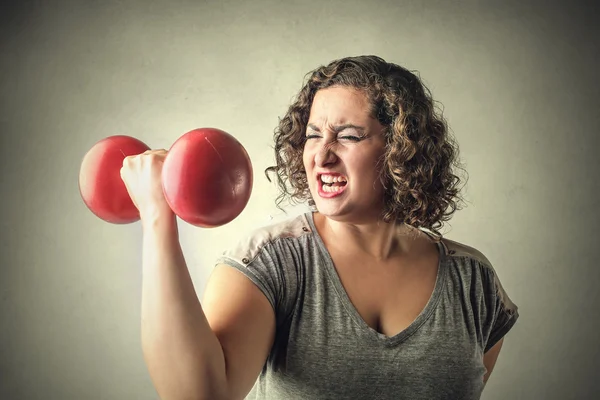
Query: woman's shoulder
x=253 y=242
x=458 y=249
x=289 y=227
x=469 y=262
x=472 y=261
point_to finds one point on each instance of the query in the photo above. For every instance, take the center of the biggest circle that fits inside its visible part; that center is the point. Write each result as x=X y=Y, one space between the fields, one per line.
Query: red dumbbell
x=206 y=178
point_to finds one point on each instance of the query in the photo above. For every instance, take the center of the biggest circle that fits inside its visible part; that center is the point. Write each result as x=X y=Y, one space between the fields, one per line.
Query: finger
x=155 y=151
x=128 y=160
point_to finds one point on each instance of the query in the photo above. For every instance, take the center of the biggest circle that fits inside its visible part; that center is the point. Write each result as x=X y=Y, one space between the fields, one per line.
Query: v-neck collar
x=351 y=309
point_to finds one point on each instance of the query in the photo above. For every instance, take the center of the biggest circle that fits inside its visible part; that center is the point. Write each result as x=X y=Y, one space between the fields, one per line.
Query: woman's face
x=343 y=148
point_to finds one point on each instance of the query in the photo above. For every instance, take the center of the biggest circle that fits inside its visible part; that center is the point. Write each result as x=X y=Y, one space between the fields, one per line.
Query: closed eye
x=345 y=137
x=351 y=138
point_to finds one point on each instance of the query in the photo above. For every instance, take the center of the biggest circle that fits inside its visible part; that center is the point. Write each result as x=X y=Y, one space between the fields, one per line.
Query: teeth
x=332 y=179
x=332 y=188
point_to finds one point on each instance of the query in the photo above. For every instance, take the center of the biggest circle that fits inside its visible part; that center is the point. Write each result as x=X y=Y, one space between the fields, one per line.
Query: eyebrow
x=338 y=128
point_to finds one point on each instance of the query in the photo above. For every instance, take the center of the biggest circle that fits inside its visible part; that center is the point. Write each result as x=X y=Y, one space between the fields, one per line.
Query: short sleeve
x=270 y=267
x=502 y=311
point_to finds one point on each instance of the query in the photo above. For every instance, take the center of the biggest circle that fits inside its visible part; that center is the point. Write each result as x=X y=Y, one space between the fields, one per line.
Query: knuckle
x=127 y=161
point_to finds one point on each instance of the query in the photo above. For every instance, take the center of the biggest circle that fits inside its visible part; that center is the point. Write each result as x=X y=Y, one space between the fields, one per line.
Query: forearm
x=184 y=357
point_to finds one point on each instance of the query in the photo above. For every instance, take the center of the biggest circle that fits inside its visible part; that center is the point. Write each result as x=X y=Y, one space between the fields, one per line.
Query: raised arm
x=244 y=322
x=214 y=350
x=191 y=352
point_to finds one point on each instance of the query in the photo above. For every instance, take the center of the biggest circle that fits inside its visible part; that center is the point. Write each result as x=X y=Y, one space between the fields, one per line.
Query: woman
x=351 y=301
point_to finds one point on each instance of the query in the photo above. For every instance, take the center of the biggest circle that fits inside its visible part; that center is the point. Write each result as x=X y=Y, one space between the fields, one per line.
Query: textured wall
x=519 y=87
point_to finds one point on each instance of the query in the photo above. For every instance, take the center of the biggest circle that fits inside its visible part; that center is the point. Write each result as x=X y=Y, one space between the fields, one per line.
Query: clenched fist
x=142 y=175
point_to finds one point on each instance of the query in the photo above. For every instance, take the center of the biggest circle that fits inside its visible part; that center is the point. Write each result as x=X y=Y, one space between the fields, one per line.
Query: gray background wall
x=520 y=90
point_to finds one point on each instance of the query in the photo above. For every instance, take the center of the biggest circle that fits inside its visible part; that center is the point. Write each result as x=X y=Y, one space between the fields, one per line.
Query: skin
x=343 y=138
x=490 y=358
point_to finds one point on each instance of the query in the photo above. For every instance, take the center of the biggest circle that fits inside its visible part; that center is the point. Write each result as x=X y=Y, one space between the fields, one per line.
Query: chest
x=330 y=349
x=388 y=296
x=340 y=360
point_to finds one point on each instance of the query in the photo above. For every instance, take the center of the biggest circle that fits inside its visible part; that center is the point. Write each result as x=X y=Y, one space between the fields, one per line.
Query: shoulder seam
x=271 y=241
x=483 y=263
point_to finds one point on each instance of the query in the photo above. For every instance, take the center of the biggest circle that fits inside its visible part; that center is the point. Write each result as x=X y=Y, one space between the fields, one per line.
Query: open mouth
x=331 y=185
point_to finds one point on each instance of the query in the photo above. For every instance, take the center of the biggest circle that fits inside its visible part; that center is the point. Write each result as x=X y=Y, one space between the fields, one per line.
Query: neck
x=377 y=239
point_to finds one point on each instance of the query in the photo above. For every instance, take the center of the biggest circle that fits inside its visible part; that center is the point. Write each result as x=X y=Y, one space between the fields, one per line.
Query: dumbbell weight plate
x=100 y=184
x=207 y=177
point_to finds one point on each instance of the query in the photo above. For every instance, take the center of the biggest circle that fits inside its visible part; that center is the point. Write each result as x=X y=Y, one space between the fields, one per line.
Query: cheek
x=307 y=158
x=369 y=170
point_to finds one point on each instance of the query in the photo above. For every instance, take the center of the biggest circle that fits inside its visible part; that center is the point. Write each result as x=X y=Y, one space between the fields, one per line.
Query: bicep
x=489 y=359
x=244 y=322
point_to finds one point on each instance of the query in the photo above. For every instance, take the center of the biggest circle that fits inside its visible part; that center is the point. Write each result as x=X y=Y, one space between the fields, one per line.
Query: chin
x=336 y=212
x=327 y=209
x=347 y=212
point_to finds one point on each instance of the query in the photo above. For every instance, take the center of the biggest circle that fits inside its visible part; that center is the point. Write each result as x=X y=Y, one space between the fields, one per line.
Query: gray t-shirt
x=323 y=349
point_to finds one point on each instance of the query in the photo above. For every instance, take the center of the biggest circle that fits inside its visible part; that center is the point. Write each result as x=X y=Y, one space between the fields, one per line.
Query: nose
x=325 y=155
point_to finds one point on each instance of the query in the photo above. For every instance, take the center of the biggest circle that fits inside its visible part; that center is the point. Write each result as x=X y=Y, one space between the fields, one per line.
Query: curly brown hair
x=421 y=188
